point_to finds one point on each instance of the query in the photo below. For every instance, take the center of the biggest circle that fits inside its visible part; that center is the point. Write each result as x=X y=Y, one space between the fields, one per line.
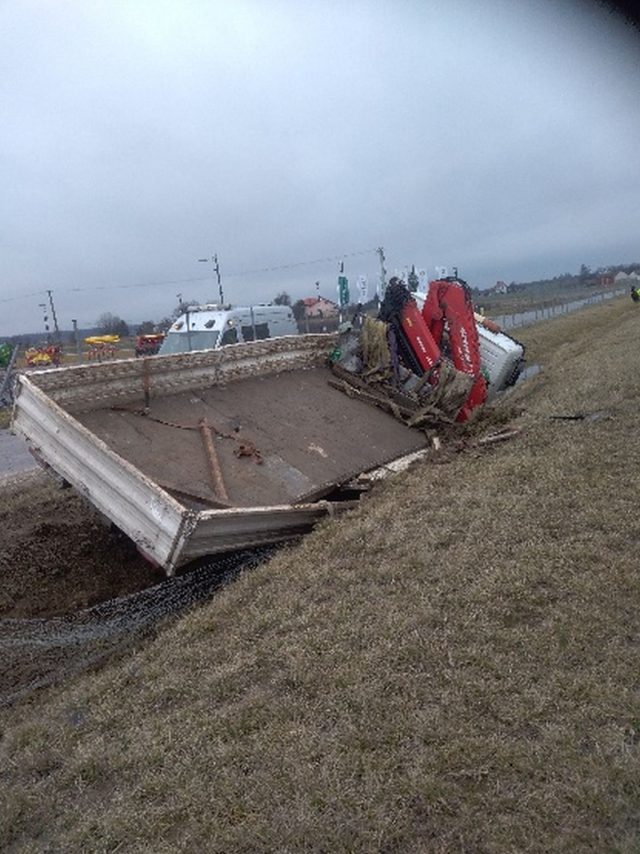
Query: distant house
x=623 y=278
x=606 y=280
x=500 y=288
x=320 y=307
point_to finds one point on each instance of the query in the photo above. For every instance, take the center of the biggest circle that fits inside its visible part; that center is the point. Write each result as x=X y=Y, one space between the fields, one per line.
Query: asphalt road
x=14 y=456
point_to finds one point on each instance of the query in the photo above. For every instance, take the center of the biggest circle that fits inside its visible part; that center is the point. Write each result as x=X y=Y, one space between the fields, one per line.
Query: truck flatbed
x=305 y=436
x=128 y=436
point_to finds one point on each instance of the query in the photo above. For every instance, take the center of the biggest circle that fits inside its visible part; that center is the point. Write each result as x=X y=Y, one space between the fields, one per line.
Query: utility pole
x=53 y=315
x=216 y=268
x=45 y=316
x=306 y=316
x=77 y=340
x=383 y=274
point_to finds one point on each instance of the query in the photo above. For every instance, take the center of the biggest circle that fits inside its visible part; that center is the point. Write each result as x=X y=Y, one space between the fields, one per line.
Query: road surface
x=14 y=456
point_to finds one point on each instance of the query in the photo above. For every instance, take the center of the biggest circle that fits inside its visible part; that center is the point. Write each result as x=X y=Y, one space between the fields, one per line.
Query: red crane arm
x=448 y=306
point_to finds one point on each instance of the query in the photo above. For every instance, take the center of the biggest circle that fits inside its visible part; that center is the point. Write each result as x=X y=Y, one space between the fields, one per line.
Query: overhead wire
x=23 y=296
x=167 y=282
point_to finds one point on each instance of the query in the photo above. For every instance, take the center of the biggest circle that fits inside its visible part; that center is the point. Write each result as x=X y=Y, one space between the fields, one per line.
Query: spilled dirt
x=57 y=559
x=75 y=591
x=56 y=553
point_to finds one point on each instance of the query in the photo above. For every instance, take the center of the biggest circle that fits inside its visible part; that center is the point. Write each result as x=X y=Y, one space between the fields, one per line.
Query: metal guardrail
x=527 y=318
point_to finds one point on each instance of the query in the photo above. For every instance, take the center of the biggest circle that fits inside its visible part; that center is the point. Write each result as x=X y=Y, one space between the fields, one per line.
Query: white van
x=206 y=327
x=501 y=356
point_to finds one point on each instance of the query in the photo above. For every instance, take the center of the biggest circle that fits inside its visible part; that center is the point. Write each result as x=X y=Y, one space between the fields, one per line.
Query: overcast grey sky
x=138 y=136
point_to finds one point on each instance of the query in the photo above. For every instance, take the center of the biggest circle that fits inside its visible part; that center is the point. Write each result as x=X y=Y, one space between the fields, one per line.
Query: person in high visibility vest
x=635 y=294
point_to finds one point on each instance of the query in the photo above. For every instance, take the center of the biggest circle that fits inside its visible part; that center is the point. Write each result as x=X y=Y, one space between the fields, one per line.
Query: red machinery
x=40 y=357
x=449 y=306
x=421 y=334
x=148 y=345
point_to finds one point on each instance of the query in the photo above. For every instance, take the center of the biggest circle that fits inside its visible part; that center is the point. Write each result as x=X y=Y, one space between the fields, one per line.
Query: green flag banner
x=343 y=290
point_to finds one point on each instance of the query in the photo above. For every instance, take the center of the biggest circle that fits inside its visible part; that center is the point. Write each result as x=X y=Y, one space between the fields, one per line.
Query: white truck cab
x=207 y=327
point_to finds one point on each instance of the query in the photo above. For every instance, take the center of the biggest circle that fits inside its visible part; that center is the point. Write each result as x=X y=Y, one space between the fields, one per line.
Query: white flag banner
x=423 y=284
x=363 y=289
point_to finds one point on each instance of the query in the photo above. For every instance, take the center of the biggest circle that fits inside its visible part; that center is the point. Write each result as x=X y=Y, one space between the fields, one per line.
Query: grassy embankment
x=451 y=667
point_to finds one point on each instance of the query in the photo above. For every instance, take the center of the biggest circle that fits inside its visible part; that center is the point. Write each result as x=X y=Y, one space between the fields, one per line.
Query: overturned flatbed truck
x=204 y=452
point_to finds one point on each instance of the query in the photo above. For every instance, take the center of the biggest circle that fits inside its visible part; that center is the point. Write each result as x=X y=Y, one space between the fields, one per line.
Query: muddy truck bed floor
x=198 y=453
x=280 y=439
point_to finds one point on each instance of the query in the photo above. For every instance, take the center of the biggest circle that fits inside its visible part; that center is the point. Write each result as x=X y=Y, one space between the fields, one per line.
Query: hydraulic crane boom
x=449 y=307
x=421 y=334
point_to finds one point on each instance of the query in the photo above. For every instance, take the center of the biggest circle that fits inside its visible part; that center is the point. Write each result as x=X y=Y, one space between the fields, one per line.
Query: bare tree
x=111 y=324
x=282 y=298
x=147 y=327
x=299 y=310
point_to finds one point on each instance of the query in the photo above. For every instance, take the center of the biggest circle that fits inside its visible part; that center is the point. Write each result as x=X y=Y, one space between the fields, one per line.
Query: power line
x=167 y=282
x=23 y=296
x=304 y=263
x=134 y=285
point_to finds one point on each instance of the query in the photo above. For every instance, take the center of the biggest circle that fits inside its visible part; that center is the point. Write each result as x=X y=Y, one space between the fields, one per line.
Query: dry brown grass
x=451 y=667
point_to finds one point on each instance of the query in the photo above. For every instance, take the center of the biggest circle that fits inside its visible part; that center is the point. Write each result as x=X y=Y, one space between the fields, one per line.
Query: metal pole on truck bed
x=214 y=461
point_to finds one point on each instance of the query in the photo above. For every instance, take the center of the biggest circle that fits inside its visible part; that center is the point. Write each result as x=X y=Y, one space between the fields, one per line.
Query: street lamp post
x=216 y=267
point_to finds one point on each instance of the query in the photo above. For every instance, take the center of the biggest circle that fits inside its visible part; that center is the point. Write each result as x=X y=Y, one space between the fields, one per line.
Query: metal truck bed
x=128 y=436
